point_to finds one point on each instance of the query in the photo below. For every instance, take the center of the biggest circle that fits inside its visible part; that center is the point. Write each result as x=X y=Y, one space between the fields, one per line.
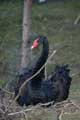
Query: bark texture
x=26 y=30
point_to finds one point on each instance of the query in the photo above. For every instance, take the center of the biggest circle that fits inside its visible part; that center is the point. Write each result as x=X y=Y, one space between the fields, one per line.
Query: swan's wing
x=61 y=79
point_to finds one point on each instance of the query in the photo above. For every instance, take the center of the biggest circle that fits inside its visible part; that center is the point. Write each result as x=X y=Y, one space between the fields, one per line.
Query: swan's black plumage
x=37 y=90
x=25 y=73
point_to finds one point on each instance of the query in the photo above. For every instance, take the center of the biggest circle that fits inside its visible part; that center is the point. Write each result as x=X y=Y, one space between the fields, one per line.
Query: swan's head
x=37 y=41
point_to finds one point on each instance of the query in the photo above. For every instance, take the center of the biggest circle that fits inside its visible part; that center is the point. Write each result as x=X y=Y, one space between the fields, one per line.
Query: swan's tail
x=62 y=80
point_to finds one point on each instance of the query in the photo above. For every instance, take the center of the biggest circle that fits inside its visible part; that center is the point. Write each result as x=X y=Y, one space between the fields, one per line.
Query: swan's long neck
x=44 y=55
x=41 y=61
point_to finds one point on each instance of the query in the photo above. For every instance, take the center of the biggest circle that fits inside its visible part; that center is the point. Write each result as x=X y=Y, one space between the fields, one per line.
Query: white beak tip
x=32 y=47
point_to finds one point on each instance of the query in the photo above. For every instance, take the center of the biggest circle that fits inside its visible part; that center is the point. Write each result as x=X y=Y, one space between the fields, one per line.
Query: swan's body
x=37 y=90
x=35 y=83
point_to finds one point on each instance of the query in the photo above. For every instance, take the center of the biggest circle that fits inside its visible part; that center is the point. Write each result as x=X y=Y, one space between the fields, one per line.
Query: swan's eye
x=35 y=44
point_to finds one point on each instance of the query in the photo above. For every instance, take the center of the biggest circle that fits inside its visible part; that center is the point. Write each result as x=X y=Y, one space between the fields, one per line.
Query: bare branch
x=77 y=20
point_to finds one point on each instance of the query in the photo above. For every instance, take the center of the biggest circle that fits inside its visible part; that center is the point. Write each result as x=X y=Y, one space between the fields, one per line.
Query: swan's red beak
x=35 y=44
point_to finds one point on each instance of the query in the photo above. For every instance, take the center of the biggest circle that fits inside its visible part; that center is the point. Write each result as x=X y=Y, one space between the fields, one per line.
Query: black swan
x=38 y=90
x=25 y=73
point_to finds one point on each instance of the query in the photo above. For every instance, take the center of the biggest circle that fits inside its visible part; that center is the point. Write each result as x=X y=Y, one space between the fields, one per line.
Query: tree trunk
x=26 y=27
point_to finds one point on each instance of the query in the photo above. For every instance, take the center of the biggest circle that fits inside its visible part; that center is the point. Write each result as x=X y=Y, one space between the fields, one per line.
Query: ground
x=59 y=22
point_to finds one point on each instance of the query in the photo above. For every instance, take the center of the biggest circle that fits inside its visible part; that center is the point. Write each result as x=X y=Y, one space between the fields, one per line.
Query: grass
x=56 y=21
x=71 y=117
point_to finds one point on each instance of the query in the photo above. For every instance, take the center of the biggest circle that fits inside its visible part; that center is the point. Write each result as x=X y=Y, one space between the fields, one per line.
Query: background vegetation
x=57 y=21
